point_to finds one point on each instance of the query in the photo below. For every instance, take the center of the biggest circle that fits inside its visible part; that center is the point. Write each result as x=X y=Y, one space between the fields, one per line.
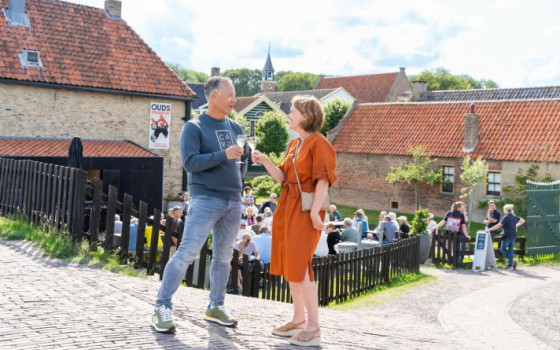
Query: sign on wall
x=160 y=125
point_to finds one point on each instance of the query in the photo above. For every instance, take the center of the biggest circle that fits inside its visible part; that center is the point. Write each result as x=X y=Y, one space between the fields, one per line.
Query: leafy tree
x=187 y=75
x=247 y=82
x=441 y=79
x=334 y=111
x=415 y=172
x=241 y=120
x=272 y=132
x=297 y=81
x=264 y=185
x=472 y=174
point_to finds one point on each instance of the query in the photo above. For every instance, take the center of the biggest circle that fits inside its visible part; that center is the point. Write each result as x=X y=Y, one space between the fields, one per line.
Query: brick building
x=509 y=135
x=71 y=70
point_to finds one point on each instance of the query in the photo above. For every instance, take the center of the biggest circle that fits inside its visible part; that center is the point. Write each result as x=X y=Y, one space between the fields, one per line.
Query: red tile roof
x=80 y=46
x=364 y=88
x=43 y=147
x=526 y=130
x=243 y=102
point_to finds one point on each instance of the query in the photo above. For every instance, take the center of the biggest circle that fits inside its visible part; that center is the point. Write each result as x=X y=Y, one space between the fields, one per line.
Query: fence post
x=154 y=242
x=125 y=233
x=95 y=218
x=142 y=215
x=110 y=220
x=79 y=202
x=166 y=246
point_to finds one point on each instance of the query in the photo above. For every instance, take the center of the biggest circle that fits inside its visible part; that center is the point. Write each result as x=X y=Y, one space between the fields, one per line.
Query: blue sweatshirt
x=204 y=141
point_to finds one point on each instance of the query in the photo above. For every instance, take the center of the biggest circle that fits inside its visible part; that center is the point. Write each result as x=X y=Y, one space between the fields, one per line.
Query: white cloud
x=512 y=42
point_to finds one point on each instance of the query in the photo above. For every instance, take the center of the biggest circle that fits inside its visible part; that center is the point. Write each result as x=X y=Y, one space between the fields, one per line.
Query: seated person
x=359 y=218
x=333 y=237
x=243 y=230
x=118 y=224
x=263 y=241
x=148 y=236
x=382 y=216
x=256 y=227
x=389 y=230
x=250 y=216
x=267 y=221
x=349 y=234
x=133 y=234
x=271 y=204
x=245 y=246
x=404 y=227
x=322 y=248
x=431 y=223
x=333 y=214
x=393 y=217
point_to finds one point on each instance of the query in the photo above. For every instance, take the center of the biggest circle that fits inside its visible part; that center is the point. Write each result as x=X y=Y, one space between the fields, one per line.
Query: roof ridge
x=359 y=75
x=461 y=102
x=495 y=89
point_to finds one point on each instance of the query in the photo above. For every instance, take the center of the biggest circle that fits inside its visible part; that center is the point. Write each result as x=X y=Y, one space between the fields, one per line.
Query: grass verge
x=60 y=246
x=383 y=293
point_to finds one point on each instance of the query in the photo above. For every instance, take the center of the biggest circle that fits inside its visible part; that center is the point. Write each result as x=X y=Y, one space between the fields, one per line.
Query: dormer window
x=29 y=58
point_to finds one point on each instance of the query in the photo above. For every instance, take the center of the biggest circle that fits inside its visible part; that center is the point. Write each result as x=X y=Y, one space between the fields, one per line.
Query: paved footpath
x=48 y=304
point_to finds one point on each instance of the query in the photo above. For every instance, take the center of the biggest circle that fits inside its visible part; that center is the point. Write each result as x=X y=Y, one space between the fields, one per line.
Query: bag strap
x=295 y=168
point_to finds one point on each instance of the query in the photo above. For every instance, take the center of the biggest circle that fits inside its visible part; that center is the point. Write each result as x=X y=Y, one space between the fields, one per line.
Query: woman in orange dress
x=295 y=233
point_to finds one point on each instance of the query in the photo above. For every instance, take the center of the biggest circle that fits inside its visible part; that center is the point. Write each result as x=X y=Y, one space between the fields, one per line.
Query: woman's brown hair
x=312 y=110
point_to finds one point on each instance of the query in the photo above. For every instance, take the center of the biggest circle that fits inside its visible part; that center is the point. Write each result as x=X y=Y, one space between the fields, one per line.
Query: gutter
x=93 y=89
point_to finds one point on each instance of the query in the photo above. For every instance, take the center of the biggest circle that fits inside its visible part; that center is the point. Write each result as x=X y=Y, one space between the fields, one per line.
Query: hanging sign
x=159 y=125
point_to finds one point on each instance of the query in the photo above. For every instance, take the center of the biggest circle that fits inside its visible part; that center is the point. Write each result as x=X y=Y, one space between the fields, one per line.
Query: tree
x=441 y=79
x=187 y=75
x=334 y=111
x=297 y=81
x=272 y=132
x=241 y=120
x=415 y=172
x=247 y=82
x=472 y=174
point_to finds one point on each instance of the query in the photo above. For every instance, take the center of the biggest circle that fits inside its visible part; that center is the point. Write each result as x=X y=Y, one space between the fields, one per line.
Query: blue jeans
x=205 y=214
x=507 y=250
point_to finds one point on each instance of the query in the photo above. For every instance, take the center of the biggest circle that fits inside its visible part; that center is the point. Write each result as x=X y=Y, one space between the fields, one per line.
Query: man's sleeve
x=193 y=160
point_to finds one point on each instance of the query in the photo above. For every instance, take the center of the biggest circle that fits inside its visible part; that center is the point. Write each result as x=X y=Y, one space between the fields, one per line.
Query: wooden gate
x=543 y=218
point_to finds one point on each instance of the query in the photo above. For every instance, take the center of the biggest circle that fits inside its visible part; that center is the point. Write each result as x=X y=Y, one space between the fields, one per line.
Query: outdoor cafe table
x=337 y=224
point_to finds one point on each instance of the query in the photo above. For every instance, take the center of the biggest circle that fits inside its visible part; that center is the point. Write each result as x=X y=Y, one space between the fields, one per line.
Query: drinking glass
x=252 y=141
x=241 y=143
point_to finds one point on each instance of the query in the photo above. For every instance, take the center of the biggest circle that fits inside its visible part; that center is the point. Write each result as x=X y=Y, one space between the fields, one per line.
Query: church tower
x=268 y=84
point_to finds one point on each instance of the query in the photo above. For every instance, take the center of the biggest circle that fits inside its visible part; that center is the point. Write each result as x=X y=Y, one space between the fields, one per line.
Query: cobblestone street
x=48 y=304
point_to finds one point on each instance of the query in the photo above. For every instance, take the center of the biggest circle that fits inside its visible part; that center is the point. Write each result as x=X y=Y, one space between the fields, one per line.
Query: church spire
x=268 y=70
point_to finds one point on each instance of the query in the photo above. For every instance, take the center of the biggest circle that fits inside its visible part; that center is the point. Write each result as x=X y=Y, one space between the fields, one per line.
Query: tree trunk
x=417 y=196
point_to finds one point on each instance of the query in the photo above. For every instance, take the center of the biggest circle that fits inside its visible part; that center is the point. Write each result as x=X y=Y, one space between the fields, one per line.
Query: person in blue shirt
x=510 y=222
x=492 y=217
x=263 y=241
x=333 y=214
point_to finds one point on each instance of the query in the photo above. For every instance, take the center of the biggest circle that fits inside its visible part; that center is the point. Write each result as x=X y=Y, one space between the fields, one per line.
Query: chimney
x=419 y=88
x=16 y=13
x=472 y=125
x=113 y=8
x=215 y=71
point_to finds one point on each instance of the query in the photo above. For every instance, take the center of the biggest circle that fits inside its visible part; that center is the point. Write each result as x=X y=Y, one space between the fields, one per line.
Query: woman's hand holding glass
x=258 y=157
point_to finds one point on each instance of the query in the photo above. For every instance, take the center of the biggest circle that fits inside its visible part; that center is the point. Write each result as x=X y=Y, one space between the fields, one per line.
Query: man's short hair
x=312 y=111
x=243 y=222
x=213 y=84
x=508 y=208
x=117 y=217
x=273 y=195
x=348 y=222
x=263 y=229
x=332 y=206
x=177 y=208
x=491 y=201
x=259 y=218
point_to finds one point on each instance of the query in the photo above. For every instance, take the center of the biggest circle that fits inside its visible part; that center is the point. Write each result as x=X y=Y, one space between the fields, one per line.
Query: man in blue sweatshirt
x=211 y=158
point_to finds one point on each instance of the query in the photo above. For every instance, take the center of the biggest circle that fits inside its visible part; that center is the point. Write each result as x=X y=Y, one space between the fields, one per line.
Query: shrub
x=419 y=223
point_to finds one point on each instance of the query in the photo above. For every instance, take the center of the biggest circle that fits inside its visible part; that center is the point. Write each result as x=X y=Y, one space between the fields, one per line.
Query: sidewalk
x=48 y=304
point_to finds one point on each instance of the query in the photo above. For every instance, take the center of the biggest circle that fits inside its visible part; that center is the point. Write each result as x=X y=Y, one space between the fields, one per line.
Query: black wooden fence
x=61 y=198
x=446 y=248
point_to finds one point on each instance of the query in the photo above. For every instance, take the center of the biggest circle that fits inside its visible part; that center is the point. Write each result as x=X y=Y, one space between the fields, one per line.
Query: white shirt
x=322 y=247
x=243 y=231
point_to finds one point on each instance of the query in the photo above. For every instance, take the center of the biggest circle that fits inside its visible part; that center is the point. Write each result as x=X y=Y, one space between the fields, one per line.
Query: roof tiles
x=80 y=46
x=491 y=94
x=44 y=147
x=525 y=130
x=365 y=88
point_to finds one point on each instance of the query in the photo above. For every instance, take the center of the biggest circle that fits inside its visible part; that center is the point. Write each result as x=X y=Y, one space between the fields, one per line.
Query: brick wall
x=37 y=111
x=362 y=184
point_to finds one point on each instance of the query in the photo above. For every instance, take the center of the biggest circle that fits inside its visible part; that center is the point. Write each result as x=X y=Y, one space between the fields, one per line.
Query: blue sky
x=516 y=43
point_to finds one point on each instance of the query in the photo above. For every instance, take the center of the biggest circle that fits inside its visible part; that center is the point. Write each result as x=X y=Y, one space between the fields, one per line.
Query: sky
x=515 y=43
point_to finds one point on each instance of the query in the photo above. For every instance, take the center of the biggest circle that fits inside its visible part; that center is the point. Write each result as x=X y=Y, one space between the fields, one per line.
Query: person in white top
x=243 y=230
x=267 y=222
x=431 y=223
x=322 y=247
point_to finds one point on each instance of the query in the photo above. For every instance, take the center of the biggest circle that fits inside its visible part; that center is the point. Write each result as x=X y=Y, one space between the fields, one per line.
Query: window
x=30 y=58
x=394 y=205
x=448 y=179
x=494 y=183
x=252 y=128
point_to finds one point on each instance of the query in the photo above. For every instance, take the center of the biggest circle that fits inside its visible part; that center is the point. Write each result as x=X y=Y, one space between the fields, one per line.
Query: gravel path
x=49 y=304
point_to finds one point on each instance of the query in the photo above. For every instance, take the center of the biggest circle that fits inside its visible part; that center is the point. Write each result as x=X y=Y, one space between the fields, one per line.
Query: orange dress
x=293 y=237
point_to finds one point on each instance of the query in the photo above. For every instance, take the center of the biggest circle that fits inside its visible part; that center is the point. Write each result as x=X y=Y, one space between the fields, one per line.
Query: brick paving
x=48 y=304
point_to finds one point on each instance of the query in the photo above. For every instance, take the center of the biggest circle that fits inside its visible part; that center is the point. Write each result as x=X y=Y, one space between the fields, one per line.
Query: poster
x=159 y=125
